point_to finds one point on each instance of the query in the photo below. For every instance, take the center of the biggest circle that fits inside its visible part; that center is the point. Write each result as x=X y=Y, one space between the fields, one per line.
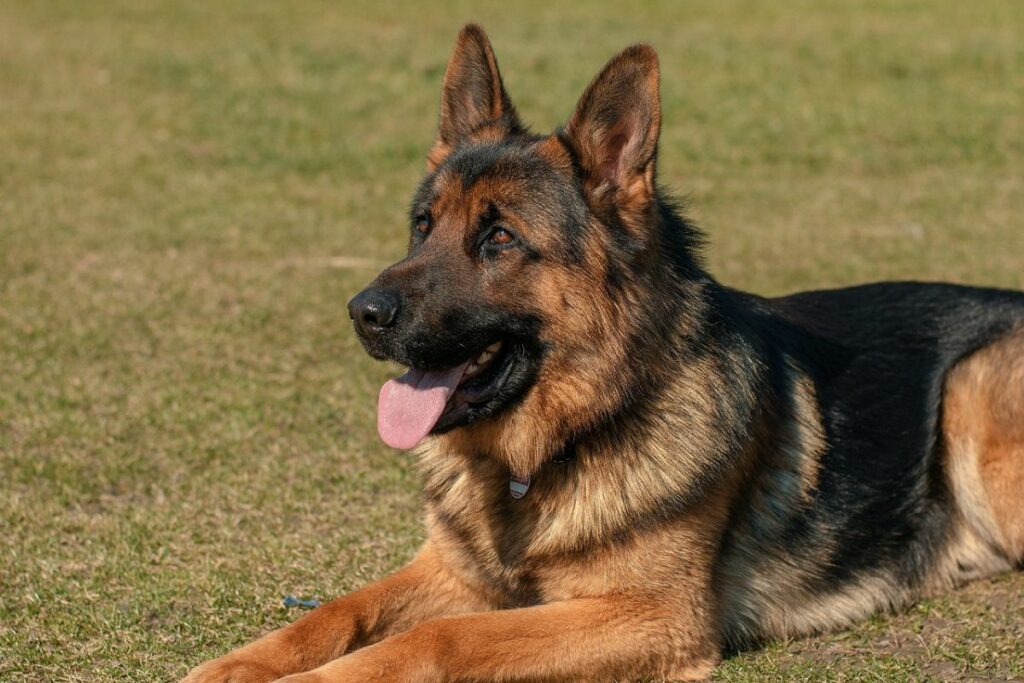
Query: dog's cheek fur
x=576 y=385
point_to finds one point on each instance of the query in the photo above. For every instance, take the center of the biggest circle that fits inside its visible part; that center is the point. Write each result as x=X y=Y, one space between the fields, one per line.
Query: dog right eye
x=423 y=224
x=501 y=237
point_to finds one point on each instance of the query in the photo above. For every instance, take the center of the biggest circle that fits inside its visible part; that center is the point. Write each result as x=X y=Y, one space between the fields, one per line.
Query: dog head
x=520 y=301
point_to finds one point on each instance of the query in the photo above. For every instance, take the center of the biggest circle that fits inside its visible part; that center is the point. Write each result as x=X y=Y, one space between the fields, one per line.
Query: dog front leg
x=422 y=590
x=591 y=639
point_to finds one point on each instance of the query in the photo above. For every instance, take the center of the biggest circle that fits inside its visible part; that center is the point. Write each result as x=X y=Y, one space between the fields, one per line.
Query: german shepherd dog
x=630 y=468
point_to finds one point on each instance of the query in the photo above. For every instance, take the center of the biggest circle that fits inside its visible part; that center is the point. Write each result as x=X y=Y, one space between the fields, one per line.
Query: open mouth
x=424 y=401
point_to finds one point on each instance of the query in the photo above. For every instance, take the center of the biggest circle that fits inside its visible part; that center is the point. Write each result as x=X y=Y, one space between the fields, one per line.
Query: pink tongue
x=408 y=407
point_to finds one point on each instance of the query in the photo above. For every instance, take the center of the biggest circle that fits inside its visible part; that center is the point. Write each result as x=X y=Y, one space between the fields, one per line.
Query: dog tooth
x=494 y=347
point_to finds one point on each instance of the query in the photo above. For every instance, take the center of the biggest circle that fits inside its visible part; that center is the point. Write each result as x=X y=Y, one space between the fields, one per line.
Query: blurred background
x=190 y=192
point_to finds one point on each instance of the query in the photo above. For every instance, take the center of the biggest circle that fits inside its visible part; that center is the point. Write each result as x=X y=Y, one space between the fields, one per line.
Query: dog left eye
x=423 y=224
x=500 y=237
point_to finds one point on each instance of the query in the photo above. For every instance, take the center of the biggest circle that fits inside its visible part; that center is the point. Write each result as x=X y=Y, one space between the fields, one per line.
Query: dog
x=628 y=467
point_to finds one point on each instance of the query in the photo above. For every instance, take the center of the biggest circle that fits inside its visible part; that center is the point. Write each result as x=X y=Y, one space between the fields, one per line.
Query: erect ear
x=615 y=127
x=473 y=100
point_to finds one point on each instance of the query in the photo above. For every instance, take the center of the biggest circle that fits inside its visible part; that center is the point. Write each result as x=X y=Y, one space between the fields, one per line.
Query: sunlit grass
x=186 y=420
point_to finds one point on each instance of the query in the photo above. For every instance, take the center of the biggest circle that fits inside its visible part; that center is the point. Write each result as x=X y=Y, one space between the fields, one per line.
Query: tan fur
x=587 y=578
x=564 y=585
x=983 y=425
x=562 y=403
x=485 y=117
x=665 y=535
x=422 y=590
x=619 y=151
x=554 y=152
x=764 y=587
x=546 y=611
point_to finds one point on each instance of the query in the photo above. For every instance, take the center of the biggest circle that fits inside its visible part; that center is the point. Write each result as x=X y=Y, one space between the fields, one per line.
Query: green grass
x=189 y=192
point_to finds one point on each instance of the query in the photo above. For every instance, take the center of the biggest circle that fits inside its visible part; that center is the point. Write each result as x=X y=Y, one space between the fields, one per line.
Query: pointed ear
x=615 y=128
x=473 y=100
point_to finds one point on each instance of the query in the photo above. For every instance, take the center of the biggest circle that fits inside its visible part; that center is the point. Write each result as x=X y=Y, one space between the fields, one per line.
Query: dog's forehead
x=515 y=176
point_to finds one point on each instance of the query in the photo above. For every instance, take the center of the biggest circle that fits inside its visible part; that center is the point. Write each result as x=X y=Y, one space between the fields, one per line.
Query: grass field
x=189 y=193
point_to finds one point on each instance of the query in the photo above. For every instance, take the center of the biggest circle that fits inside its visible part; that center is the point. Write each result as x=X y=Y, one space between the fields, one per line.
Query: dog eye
x=423 y=224
x=500 y=237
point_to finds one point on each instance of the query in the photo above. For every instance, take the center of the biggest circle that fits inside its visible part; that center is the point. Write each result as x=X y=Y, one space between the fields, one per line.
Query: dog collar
x=518 y=486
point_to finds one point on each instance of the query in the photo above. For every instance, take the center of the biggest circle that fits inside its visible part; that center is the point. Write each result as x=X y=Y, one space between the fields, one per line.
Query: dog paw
x=231 y=671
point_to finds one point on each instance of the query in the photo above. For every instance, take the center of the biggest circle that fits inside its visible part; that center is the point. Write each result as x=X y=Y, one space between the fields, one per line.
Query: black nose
x=373 y=310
